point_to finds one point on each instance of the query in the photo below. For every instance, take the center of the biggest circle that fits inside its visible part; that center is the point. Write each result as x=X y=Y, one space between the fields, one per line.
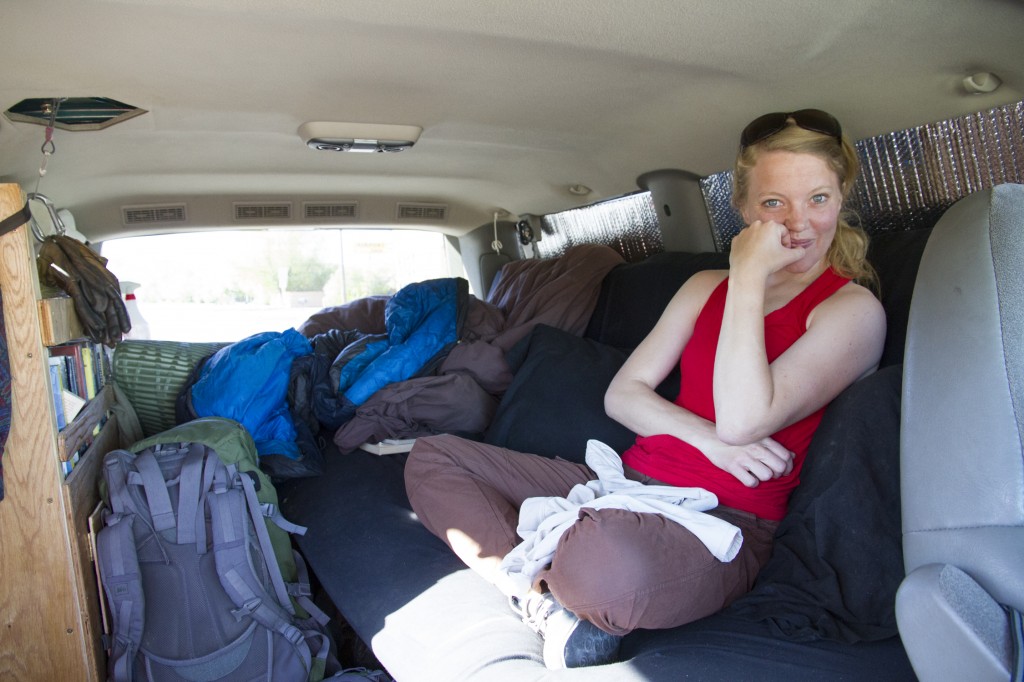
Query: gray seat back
x=962 y=458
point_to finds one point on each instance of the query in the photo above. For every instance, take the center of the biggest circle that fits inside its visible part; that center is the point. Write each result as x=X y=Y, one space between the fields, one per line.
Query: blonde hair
x=848 y=253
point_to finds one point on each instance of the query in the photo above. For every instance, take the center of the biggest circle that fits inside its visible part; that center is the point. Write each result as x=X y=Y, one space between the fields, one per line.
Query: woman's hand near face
x=762 y=249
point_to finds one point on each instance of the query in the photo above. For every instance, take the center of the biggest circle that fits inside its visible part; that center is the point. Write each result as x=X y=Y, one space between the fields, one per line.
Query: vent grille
x=149 y=215
x=422 y=212
x=330 y=211
x=247 y=212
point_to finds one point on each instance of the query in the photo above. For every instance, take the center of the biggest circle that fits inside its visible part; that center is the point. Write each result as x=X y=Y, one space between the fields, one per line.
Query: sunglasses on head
x=815 y=120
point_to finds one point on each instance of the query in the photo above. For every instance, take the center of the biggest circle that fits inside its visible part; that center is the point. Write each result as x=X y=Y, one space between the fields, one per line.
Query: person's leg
x=623 y=570
x=469 y=493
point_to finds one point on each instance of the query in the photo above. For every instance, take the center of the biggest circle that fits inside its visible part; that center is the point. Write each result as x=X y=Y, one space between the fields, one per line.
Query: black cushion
x=634 y=295
x=838 y=556
x=896 y=257
x=556 y=400
x=555 y=403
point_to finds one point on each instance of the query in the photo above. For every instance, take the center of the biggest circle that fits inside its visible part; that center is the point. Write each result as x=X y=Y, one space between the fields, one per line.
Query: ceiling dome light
x=331 y=136
x=982 y=82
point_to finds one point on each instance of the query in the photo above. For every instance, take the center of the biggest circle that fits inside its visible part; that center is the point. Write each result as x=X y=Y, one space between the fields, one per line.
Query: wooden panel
x=42 y=633
x=73 y=436
x=81 y=491
x=58 y=321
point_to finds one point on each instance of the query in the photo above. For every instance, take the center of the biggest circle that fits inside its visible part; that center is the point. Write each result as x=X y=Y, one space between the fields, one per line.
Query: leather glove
x=81 y=272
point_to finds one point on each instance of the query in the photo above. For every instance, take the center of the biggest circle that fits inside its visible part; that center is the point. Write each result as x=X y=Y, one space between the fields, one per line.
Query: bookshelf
x=49 y=603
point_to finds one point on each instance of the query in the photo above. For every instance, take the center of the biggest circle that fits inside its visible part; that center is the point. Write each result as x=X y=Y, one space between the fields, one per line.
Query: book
x=88 y=364
x=389 y=446
x=72 y=403
x=57 y=389
x=75 y=367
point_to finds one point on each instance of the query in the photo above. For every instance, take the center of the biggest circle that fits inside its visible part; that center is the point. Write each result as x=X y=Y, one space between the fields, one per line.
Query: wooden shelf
x=58 y=322
x=49 y=602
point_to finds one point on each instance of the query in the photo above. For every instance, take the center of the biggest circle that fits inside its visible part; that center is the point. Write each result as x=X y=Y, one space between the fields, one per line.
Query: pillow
x=634 y=295
x=838 y=556
x=555 y=402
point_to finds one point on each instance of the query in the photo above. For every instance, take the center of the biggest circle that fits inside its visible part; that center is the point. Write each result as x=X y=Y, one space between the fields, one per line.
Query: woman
x=793 y=327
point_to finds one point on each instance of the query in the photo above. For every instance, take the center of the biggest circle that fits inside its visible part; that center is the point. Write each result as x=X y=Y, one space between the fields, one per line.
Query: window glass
x=225 y=286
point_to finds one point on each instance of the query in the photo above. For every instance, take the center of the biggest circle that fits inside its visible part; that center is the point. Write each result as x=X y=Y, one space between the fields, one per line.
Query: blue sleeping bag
x=248 y=381
x=422 y=320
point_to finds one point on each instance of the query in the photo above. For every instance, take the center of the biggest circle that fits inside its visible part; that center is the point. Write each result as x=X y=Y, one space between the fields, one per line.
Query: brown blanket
x=560 y=292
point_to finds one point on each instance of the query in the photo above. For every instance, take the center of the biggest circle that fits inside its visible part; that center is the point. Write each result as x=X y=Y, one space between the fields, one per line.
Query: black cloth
x=896 y=257
x=555 y=403
x=634 y=295
x=12 y=222
x=838 y=556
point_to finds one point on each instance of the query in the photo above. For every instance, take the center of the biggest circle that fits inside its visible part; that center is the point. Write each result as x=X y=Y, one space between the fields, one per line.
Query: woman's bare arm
x=631 y=398
x=843 y=342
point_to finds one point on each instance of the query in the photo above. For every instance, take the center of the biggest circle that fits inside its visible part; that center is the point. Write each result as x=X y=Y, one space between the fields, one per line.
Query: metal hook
x=58 y=224
x=51 y=109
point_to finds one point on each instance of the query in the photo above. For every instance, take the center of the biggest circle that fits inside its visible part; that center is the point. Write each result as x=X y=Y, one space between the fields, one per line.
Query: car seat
x=962 y=460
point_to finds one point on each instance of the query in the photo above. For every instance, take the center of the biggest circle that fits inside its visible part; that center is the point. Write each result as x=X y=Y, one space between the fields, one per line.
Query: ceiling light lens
x=982 y=82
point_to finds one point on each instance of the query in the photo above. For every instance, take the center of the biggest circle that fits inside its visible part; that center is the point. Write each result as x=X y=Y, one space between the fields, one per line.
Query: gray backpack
x=191 y=580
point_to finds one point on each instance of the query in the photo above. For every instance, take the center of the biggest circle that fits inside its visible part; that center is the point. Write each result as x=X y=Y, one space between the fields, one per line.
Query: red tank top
x=676 y=462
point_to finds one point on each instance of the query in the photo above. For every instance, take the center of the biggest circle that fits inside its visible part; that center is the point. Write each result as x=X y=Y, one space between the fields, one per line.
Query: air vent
x=330 y=210
x=422 y=212
x=251 y=212
x=150 y=215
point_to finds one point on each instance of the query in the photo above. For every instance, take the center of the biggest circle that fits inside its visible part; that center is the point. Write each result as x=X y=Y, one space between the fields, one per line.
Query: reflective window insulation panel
x=907 y=180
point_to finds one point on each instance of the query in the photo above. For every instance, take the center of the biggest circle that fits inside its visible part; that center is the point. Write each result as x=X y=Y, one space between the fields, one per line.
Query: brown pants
x=620 y=570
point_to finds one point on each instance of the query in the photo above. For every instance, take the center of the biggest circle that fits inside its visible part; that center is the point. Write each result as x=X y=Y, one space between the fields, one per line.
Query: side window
x=226 y=285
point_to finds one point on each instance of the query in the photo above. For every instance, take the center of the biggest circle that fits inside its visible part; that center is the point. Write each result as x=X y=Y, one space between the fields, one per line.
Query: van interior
x=293 y=171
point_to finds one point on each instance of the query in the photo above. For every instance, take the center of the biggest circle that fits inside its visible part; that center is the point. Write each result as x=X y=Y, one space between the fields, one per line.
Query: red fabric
x=676 y=462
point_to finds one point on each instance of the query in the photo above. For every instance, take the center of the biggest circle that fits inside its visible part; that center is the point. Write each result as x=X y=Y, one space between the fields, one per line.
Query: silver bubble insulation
x=907 y=180
x=628 y=224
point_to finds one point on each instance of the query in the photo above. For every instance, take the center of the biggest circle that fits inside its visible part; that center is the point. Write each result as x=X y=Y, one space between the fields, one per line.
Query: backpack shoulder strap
x=115 y=474
x=122 y=583
x=302 y=593
x=192 y=487
x=159 y=500
x=229 y=516
x=263 y=536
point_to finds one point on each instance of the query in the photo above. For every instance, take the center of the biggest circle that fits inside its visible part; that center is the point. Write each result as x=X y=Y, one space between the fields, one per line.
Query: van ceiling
x=518 y=101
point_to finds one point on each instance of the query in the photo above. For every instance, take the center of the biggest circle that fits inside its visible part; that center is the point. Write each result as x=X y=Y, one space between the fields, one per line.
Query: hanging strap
x=17 y=220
